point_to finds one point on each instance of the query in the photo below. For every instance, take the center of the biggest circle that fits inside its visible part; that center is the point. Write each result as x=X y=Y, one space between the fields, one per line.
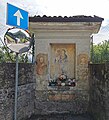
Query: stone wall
x=99 y=91
x=32 y=100
x=61 y=101
x=26 y=90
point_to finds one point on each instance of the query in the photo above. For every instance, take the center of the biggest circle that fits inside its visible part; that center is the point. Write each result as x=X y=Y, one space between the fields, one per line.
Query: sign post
x=16 y=88
x=18 y=18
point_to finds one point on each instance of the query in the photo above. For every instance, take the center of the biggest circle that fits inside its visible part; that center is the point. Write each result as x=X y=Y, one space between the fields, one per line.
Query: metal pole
x=92 y=51
x=33 y=48
x=16 y=88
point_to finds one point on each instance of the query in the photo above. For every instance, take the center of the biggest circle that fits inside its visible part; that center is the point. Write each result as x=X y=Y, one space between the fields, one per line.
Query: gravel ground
x=61 y=117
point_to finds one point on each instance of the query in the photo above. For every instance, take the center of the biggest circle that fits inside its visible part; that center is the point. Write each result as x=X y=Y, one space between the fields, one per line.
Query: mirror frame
x=18 y=47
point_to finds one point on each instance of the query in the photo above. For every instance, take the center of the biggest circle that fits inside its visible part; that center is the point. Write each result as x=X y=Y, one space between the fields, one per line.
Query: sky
x=61 y=8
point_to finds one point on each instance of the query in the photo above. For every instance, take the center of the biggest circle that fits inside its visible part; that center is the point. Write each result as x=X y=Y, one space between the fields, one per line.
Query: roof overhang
x=81 y=23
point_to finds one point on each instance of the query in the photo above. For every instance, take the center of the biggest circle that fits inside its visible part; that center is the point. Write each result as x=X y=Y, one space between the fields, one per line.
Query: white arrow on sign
x=18 y=15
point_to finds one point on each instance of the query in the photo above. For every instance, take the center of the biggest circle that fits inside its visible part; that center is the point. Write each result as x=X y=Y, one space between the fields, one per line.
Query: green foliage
x=10 y=57
x=100 y=53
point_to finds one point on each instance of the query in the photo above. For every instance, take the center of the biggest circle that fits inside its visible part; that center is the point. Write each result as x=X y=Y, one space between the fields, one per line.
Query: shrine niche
x=62 y=84
x=62 y=50
x=62 y=65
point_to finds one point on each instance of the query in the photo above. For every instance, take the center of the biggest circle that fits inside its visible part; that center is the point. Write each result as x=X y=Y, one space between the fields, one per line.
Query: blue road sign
x=17 y=17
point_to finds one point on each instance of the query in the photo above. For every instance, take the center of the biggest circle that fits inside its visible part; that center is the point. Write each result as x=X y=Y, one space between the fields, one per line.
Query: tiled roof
x=79 y=18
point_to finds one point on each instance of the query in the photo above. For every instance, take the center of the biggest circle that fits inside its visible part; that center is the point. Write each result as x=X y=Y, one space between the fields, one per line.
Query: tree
x=101 y=52
x=10 y=57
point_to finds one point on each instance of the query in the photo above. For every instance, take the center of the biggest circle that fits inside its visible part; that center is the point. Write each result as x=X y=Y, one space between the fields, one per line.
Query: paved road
x=62 y=117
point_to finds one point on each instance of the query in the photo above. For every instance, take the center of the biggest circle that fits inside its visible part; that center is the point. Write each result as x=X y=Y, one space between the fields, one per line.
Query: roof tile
x=78 y=18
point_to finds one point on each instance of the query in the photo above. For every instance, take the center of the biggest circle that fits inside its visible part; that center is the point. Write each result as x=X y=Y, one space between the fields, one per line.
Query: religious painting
x=82 y=70
x=82 y=59
x=41 y=64
x=62 y=63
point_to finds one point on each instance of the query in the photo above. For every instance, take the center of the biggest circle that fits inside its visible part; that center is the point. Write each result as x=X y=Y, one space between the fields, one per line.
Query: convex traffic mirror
x=17 y=40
